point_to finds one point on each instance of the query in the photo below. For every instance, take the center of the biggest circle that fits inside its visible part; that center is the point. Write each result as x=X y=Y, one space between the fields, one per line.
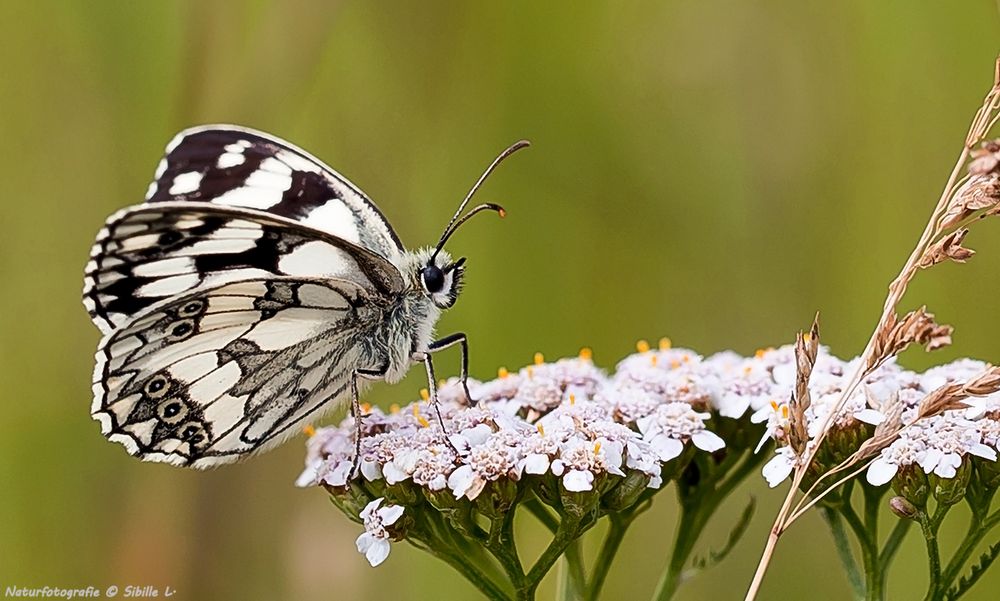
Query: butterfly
x=255 y=289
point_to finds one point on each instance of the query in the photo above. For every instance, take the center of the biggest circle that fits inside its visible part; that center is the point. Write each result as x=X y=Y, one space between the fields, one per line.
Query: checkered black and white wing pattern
x=234 y=166
x=154 y=251
x=211 y=376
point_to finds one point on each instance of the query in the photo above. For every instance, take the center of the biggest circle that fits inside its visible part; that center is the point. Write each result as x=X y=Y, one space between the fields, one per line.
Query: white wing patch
x=185 y=183
x=209 y=377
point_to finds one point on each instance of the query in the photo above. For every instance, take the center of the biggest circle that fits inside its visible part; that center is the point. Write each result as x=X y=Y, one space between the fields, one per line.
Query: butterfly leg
x=368 y=374
x=432 y=387
x=462 y=340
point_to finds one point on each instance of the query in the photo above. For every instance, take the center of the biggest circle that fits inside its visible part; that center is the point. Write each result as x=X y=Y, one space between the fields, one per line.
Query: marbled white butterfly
x=252 y=290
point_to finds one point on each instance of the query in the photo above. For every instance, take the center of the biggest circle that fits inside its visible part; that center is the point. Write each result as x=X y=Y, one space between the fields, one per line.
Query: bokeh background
x=711 y=171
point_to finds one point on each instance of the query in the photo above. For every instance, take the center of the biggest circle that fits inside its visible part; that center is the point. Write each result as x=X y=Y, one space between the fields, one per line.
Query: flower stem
x=843 y=546
x=566 y=533
x=616 y=532
x=696 y=510
x=892 y=543
x=500 y=544
x=874 y=579
x=573 y=556
x=571 y=584
x=690 y=523
x=573 y=560
x=929 y=527
x=428 y=536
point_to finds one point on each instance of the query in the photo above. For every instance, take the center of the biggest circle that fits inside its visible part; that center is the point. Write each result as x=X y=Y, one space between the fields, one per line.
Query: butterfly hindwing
x=235 y=166
x=154 y=251
x=211 y=376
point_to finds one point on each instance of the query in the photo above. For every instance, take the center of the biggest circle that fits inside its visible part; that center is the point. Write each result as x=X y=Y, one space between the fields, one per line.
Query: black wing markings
x=226 y=159
x=273 y=383
x=145 y=246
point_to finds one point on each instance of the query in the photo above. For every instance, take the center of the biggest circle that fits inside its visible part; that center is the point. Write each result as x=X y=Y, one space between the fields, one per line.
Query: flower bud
x=627 y=491
x=988 y=471
x=578 y=504
x=404 y=493
x=443 y=500
x=547 y=489
x=910 y=483
x=903 y=508
x=497 y=498
x=951 y=490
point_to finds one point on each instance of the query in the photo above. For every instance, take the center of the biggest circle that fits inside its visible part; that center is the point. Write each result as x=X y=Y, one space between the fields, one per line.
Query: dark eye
x=433 y=278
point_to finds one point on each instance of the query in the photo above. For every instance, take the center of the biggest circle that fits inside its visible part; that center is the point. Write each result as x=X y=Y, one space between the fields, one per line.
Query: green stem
x=873 y=574
x=543 y=515
x=434 y=532
x=573 y=560
x=500 y=544
x=892 y=544
x=843 y=546
x=427 y=536
x=616 y=532
x=928 y=526
x=566 y=533
x=695 y=513
x=477 y=578
x=866 y=533
x=573 y=557
x=570 y=586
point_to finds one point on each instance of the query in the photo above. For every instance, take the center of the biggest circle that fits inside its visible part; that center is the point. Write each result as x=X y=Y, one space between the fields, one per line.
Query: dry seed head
x=806 y=350
x=952 y=396
x=986 y=158
x=947 y=248
x=979 y=192
x=886 y=431
x=918 y=326
x=986 y=383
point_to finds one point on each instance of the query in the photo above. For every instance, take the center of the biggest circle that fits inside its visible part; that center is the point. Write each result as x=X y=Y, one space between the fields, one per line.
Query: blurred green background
x=711 y=171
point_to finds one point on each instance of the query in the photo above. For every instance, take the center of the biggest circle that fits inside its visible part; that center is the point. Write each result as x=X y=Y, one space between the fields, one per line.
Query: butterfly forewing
x=155 y=251
x=208 y=377
x=235 y=166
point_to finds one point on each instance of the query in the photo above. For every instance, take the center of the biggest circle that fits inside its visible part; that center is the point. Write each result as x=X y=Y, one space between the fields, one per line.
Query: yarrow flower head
x=580 y=444
x=937 y=444
x=547 y=430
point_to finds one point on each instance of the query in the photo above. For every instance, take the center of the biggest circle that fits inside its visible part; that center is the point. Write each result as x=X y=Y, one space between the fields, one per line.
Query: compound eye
x=433 y=278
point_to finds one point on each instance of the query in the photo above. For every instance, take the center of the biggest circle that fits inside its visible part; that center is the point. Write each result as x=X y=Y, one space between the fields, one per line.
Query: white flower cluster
x=935 y=444
x=939 y=444
x=570 y=421
x=567 y=418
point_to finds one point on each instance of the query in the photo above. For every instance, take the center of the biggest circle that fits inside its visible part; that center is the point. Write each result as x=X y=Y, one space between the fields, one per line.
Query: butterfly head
x=439 y=276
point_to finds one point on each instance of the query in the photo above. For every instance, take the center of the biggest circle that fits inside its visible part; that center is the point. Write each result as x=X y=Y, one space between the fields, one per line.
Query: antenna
x=455 y=221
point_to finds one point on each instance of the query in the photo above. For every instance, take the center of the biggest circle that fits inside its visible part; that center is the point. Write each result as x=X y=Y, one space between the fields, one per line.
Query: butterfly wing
x=154 y=251
x=211 y=376
x=235 y=166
